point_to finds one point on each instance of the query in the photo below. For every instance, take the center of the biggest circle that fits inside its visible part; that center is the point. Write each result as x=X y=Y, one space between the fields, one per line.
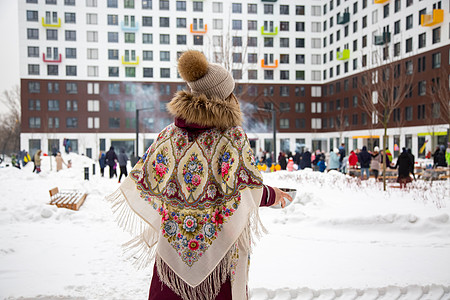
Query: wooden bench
x=70 y=199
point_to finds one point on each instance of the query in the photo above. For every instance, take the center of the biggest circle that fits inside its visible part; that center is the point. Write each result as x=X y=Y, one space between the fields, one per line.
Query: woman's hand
x=280 y=197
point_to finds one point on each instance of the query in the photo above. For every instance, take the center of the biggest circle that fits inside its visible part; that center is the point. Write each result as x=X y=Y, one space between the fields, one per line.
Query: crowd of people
x=111 y=159
x=361 y=161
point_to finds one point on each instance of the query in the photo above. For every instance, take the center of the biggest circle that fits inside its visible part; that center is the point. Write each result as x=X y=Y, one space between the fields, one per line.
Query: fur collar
x=198 y=109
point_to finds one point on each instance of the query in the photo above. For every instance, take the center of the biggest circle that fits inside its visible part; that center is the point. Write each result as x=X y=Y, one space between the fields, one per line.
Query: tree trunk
x=385 y=161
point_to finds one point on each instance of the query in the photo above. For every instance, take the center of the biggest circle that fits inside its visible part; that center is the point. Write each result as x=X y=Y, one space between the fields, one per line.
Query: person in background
x=26 y=158
x=290 y=164
x=111 y=159
x=413 y=160
x=102 y=163
x=364 y=159
x=321 y=164
x=268 y=161
x=123 y=160
x=375 y=163
x=69 y=164
x=403 y=164
x=388 y=155
x=333 y=164
x=353 y=160
x=59 y=162
x=306 y=159
x=282 y=160
x=37 y=161
x=439 y=157
x=447 y=156
x=341 y=156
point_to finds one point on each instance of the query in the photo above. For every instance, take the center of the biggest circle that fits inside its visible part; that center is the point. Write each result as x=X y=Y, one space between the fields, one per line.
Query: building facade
x=88 y=67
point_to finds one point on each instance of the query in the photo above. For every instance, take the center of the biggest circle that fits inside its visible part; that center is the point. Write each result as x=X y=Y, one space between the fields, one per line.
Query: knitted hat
x=212 y=80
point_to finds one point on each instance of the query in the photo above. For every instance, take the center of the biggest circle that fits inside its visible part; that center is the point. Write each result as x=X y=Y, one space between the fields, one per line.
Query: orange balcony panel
x=433 y=19
x=199 y=31
x=380 y=1
x=263 y=65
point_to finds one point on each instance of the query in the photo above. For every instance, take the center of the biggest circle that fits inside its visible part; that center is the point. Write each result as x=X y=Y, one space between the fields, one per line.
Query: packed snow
x=339 y=239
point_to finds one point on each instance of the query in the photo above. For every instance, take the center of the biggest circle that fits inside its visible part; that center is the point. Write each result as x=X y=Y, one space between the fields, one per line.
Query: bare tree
x=439 y=94
x=384 y=88
x=10 y=127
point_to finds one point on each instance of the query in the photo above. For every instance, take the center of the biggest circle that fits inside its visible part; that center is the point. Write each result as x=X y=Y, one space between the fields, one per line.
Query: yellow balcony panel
x=199 y=31
x=433 y=19
x=263 y=64
x=344 y=55
x=125 y=62
x=380 y=1
x=269 y=32
x=57 y=25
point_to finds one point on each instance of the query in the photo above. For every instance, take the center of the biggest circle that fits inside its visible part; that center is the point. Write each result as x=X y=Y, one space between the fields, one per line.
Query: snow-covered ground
x=339 y=239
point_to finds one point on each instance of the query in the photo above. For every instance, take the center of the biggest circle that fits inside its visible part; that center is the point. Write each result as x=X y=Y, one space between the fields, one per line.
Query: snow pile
x=339 y=239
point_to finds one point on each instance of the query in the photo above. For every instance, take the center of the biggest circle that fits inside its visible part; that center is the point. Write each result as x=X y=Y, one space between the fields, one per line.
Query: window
x=284 y=42
x=316 y=123
x=165 y=73
x=316 y=26
x=437 y=35
x=268 y=74
x=111 y=3
x=92 y=71
x=236 y=24
x=236 y=8
x=252 y=8
x=284 y=75
x=93 y=122
x=409 y=45
x=32 y=34
x=316 y=11
x=164 y=22
x=284 y=123
x=33 y=69
x=409 y=67
x=181 y=39
x=409 y=22
x=268 y=9
x=422 y=40
x=91 y=19
x=422 y=88
x=147 y=4
x=92 y=36
x=53 y=88
x=93 y=105
x=386 y=11
x=52 y=70
x=181 y=22
x=300 y=10
x=299 y=75
x=147 y=38
x=114 y=123
x=148 y=72
x=32 y=15
x=34 y=105
x=315 y=43
x=71 y=70
x=408 y=113
x=113 y=37
x=92 y=53
x=236 y=41
x=113 y=54
x=300 y=43
x=409 y=3
x=218 y=7
x=181 y=5
x=299 y=58
x=436 y=110
x=217 y=23
x=53 y=2
x=113 y=88
x=147 y=21
x=436 y=60
x=163 y=4
x=300 y=26
x=218 y=40
x=198 y=40
x=34 y=122
x=252 y=74
x=164 y=39
x=164 y=55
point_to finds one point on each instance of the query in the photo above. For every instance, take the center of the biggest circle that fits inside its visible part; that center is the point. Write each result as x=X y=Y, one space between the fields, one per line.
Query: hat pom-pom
x=192 y=65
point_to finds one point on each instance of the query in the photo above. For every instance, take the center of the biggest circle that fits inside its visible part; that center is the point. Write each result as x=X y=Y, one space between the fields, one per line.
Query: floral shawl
x=192 y=201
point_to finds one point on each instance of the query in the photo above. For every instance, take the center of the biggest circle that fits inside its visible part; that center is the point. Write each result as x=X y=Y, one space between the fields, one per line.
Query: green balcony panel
x=269 y=33
x=344 y=55
x=343 y=18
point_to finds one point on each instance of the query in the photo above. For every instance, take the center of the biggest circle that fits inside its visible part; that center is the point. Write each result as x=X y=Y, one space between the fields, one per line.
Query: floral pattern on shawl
x=195 y=185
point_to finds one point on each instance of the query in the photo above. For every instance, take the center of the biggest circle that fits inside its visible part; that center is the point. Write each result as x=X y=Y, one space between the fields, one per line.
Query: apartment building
x=90 y=67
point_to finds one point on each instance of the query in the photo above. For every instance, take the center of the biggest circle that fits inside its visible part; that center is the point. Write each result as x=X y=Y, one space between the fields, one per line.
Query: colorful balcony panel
x=343 y=18
x=263 y=64
x=129 y=28
x=431 y=20
x=268 y=32
x=344 y=55
x=128 y=62
x=380 y=1
x=199 y=31
x=382 y=39
x=51 y=60
x=56 y=25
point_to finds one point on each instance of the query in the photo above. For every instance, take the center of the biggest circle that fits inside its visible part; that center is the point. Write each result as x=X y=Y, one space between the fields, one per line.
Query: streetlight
x=274 y=127
x=137 y=127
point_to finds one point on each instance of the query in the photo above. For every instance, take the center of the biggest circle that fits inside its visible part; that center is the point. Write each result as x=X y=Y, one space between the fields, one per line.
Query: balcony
x=431 y=20
x=269 y=32
x=54 y=25
x=131 y=27
x=380 y=1
x=383 y=39
x=51 y=60
x=128 y=62
x=343 y=18
x=344 y=55
x=263 y=65
x=205 y=29
x=269 y=0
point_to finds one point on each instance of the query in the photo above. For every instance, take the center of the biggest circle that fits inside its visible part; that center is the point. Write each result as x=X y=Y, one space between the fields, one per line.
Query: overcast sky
x=9 y=44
